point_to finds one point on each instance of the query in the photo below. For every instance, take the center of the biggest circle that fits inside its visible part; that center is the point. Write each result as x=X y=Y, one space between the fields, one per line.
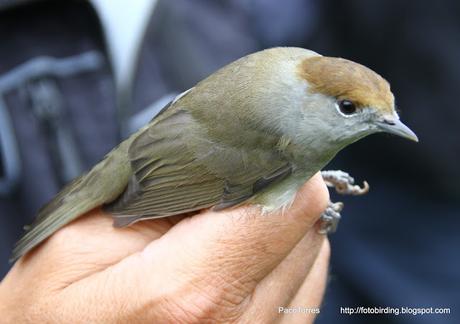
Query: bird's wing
x=177 y=169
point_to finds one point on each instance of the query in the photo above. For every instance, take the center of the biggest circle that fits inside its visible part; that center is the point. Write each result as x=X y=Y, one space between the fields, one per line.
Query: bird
x=253 y=132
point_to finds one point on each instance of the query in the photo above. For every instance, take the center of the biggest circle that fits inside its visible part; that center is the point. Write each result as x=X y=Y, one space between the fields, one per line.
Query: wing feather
x=177 y=168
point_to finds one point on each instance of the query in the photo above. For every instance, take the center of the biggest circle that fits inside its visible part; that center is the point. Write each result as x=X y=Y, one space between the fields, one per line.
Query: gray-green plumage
x=254 y=130
x=178 y=163
x=79 y=196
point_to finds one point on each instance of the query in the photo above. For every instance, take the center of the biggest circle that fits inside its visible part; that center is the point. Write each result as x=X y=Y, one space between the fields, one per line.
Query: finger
x=282 y=284
x=205 y=264
x=220 y=257
x=308 y=299
x=86 y=246
x=224 y=243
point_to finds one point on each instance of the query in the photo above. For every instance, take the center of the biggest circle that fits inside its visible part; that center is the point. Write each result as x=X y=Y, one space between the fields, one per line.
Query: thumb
x=240 y=246
x=213 y=258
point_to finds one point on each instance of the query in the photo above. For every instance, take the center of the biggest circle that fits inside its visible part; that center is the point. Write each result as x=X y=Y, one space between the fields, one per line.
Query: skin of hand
x=231 y=266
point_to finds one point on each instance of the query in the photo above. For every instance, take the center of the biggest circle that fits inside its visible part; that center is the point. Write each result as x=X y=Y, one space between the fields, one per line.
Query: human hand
x=230 y=266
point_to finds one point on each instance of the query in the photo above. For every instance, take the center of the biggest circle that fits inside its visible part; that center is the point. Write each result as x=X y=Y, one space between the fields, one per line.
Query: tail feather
x=58 y=200
x=64 y=208
x=81 y=195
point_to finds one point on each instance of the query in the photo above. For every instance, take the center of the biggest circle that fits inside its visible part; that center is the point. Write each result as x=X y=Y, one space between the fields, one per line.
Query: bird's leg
x=344 y=184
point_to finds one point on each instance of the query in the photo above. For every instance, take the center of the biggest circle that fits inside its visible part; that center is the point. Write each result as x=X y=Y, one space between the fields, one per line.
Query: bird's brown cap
x=344 y=79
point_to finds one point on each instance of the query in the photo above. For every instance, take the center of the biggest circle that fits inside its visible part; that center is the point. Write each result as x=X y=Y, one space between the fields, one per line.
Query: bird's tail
x=65 y=207
x=100 y=185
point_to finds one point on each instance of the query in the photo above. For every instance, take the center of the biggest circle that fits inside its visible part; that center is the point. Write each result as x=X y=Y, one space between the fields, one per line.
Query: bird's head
x=353 y=100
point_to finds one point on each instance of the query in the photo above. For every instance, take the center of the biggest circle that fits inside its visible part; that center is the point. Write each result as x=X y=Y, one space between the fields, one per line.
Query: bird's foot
x=330 y=218
x=344 y=184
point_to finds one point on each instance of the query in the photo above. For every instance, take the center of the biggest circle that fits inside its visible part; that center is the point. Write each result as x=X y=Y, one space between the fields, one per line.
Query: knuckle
x=62 y=236
x=208 y=300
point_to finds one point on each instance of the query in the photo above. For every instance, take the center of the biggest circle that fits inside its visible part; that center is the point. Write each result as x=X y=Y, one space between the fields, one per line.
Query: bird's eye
x=347 y=107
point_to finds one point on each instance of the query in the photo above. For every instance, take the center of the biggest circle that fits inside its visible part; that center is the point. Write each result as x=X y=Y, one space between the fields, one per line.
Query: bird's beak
x=396 y=127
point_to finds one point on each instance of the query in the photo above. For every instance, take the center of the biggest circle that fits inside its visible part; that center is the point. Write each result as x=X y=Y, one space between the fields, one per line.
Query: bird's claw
x=343 y=183
x=330 y=218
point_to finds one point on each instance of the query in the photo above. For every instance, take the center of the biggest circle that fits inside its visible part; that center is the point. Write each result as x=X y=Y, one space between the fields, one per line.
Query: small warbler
x=252 y=132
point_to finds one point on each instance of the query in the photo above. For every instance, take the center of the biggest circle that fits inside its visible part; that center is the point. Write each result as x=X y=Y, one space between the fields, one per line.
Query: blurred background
x=76 y=77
